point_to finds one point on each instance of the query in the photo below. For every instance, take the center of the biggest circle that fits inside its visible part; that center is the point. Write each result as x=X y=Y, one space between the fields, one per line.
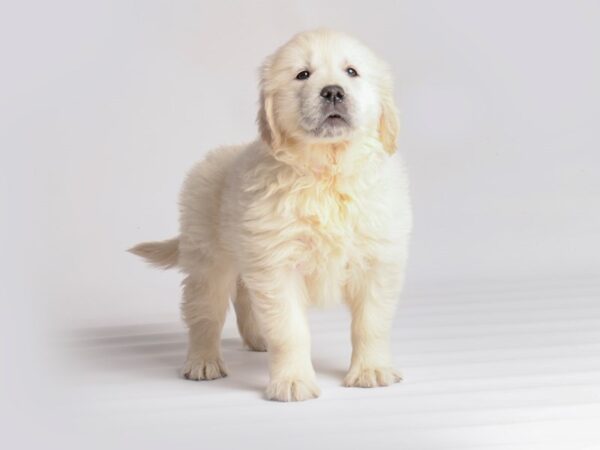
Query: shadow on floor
x=156 y=353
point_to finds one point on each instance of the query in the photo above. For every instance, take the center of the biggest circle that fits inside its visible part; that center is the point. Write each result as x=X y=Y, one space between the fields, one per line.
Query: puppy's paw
x=204 y=369
x=292 y=390
x=367 y=377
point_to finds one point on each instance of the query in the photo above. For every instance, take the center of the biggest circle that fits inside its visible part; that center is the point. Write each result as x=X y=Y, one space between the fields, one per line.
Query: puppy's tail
x=163 y=254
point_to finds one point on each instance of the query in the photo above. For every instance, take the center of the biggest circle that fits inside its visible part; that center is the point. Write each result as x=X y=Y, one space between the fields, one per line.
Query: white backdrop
x=107 y=104
x=104 y=105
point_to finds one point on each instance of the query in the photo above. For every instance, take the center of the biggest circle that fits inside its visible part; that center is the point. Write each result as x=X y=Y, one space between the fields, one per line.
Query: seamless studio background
x=106 y=105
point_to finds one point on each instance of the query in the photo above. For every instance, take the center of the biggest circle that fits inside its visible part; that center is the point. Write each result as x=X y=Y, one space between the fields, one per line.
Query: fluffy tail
x=164 y=254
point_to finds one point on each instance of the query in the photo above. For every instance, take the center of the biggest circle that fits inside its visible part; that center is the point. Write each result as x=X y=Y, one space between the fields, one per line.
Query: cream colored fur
x=293 y=220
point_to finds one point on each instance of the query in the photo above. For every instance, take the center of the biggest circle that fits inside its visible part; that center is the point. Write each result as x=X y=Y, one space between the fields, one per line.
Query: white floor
x=509 y=366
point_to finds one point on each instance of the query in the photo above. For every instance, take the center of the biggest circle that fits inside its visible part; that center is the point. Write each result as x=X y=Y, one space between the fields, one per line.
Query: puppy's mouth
x=335 y=119
x=333 y=125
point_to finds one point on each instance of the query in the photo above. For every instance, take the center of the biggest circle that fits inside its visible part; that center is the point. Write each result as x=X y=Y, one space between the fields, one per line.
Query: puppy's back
x=200 y=200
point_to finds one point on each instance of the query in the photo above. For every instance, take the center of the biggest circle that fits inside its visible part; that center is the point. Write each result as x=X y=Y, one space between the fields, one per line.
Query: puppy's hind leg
x=206 y=295
x=246 y=322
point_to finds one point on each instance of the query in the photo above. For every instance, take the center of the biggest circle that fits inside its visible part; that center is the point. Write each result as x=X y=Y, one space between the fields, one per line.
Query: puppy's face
x=324 y=86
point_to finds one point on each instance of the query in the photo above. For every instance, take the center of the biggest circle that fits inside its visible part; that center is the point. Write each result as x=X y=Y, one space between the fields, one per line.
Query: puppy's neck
x=329 y=158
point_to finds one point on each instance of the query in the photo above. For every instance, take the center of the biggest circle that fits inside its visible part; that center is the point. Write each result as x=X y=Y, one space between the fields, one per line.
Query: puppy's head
x=326 y=87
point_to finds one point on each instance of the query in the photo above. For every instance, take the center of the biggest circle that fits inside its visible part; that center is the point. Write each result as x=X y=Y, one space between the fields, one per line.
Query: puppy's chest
x=333 y=218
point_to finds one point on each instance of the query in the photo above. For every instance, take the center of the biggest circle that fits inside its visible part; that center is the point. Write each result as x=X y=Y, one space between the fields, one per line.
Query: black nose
x=333 y=93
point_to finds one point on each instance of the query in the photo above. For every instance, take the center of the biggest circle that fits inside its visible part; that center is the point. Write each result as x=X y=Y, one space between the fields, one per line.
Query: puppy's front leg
x=280 y=309
x=372 y=296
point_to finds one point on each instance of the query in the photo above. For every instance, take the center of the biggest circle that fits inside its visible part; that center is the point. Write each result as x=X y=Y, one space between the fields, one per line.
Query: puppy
x=314 y=212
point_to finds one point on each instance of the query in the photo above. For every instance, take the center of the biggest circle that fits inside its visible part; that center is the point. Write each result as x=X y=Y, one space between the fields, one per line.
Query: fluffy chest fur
x=323 y=215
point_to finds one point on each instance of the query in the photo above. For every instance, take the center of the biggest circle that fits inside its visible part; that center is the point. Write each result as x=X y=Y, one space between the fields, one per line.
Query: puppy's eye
x=303 y=75
x=352 y=72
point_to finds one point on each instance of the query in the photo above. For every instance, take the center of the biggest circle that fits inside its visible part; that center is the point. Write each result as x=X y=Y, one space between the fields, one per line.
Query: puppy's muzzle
x=334 y=107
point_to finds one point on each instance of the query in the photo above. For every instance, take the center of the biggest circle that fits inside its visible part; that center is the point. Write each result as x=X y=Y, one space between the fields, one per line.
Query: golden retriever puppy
x=314 y=212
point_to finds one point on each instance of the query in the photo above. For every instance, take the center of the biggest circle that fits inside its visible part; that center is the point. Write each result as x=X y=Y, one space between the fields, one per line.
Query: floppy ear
x=266 y=119
x=389 y=124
